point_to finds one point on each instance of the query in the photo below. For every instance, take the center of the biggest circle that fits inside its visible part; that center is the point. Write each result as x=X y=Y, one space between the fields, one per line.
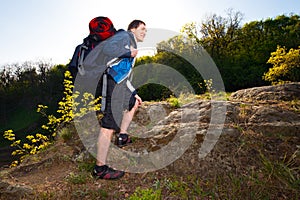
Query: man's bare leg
x=127 y=118
x=104 y=140
x=101 y=170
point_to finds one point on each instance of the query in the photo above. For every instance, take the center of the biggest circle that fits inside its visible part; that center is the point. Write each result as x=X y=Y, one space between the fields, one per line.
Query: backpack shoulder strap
x=82 y=50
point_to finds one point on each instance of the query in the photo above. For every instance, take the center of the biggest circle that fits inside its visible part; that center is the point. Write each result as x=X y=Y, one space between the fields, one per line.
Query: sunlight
x=146 y=51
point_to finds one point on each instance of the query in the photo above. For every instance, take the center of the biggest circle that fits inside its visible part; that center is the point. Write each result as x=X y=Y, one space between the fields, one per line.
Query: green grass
x=146 y=194
x=273 y=179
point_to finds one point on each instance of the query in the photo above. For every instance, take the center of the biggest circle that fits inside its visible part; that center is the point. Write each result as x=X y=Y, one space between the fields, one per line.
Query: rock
x=285 y=92
x=274 y=120
x=263 y=117
x=14 y=191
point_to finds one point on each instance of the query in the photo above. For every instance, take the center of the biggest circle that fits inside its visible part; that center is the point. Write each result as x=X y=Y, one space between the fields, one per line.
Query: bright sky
x=50 y=29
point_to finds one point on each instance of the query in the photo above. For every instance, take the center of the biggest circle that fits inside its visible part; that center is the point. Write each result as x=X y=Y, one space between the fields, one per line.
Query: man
x=120 y=97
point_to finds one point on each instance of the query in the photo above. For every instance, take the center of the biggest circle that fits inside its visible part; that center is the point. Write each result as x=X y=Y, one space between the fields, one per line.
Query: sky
x=50 y=30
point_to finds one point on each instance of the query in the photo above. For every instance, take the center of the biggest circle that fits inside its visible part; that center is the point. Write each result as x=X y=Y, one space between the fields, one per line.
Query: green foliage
x=174 y=102
x=240 y=52
x=286 y=66
x=79 y=178
x=185 y=98
x=68 y=106
x=22 y=87
x=166 y=57
x=274 y=178
x=151 y=91
x=146 y=194
x=86 y=166
x=21 y=118
x=65 y=133
x=178 y=188
x=285 y=171
x=182 y=99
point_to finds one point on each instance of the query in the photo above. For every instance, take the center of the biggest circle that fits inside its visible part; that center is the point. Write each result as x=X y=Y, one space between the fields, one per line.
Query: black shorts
x=118 y=99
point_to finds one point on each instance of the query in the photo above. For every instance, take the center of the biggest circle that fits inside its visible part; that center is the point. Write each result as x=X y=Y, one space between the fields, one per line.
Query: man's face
x=140 y=32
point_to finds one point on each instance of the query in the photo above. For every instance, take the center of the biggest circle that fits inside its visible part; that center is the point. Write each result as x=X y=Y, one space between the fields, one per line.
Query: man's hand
x=139 y=99
x=134 y=52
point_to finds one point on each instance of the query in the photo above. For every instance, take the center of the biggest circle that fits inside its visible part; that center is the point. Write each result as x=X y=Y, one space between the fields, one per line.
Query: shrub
x=67 y=111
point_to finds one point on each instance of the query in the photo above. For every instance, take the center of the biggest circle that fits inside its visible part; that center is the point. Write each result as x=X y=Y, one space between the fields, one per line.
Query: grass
x=183 y=99
x=273 y=178
x=66 y=133
x=285 y=171
x=146 y=194
x=79 y=178
x=226 y=186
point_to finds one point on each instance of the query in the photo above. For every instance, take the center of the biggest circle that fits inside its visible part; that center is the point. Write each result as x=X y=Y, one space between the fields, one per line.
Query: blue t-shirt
x=121 y=69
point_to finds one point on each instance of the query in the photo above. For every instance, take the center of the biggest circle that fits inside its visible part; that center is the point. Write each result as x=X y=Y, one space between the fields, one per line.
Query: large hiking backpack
x=91 y=65
x=100 y=28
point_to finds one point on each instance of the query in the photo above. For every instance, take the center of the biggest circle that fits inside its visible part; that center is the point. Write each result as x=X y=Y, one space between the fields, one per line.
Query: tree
x=241 y=52
x=216 y=33
x=286 y=66
x=220 y=37
x=23 y=86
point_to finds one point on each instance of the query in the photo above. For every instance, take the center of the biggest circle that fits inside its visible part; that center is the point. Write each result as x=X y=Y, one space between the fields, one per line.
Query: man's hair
x=135 y=23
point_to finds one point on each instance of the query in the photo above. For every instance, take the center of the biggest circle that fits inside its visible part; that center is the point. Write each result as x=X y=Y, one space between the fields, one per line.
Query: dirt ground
x=54 y=174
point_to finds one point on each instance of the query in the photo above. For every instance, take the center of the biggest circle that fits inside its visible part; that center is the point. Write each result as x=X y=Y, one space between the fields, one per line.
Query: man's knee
x=106 y=133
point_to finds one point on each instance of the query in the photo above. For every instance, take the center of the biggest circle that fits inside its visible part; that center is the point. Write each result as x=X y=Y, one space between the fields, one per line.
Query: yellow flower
x=17 y=152
x=26 y=146
x=14 y=163
x=45 y=127
x=29 y=137
x=43 y=137
x=11 y=138
x=9 y=135
x=15 y=143
x=33 y=151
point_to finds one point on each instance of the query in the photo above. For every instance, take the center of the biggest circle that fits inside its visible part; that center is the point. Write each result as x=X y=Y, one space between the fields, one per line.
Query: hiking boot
x=105 y=172
x=123 y=140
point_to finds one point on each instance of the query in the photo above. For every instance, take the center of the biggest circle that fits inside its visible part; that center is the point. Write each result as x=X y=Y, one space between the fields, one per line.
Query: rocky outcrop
x=269 y=109
x=247 y=110
x=285 y=92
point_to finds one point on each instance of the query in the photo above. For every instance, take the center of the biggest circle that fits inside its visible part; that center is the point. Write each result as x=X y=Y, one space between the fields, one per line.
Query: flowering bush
x=286 y=66
x=68 y=106
x=35 y=143
x=67 y=109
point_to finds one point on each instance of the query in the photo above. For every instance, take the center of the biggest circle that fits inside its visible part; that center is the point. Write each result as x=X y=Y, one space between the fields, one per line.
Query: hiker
x=122 y=99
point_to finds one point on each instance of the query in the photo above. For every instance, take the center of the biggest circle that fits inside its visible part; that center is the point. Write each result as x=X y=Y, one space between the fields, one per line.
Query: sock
x=123 y=135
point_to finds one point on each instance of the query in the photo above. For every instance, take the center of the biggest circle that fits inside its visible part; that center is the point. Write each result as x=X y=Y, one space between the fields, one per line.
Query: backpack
x=100 y=28
x=86 y=63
